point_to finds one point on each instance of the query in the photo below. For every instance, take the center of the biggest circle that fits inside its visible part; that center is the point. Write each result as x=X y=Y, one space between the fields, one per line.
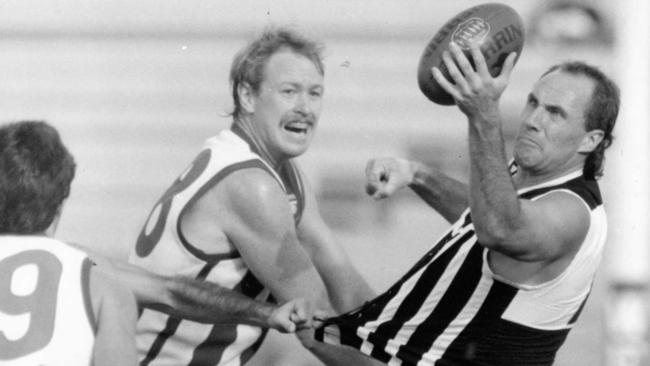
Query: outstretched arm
x=203 y=301
x=446 y=195
x=207 y=299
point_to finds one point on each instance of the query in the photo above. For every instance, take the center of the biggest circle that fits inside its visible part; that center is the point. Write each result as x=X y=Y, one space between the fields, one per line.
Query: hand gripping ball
x=497 y=28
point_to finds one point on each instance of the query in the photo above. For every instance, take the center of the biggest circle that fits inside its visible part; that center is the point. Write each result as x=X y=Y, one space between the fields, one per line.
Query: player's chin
x=526 y=157
x=295 y=151
x=293 y=147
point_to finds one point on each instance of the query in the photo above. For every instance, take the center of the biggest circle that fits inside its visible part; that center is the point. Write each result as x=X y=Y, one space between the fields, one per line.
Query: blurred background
x=135 y=87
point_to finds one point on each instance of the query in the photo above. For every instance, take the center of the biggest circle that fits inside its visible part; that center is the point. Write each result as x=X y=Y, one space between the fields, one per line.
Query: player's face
x=552 y=134
x=288 y=104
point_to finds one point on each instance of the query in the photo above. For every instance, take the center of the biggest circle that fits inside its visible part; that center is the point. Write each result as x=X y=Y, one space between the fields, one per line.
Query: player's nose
x=302 y=105
x=533 y=119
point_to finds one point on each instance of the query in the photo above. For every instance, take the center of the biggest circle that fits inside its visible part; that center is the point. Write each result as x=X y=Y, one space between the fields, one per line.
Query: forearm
x=446 y=195
x=207 y=302
x=347 y=289
x=332 y=355
x=493 y=197
x=186 y=298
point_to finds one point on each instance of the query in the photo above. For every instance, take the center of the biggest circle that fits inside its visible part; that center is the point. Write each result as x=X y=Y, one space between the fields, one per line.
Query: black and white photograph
x=324 y=183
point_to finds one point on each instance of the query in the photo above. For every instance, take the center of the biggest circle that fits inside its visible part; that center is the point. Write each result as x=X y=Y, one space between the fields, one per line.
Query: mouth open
x=297 y=128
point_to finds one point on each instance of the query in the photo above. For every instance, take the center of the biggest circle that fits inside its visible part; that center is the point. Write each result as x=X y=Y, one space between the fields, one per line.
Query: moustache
x=308 y=118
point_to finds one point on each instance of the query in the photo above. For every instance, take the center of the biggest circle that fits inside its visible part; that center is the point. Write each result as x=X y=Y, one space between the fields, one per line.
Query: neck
x=527 y=178
x=51 y=230
x=243 y=128
x=36 y=233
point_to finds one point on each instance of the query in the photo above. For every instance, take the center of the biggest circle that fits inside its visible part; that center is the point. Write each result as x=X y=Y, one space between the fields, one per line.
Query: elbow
x=506 y=242
x=499 y=231
x=494 y=236
x=489 y=238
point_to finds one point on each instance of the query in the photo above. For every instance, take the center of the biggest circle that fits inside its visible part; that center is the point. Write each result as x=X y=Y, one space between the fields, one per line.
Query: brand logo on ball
x=473 y=30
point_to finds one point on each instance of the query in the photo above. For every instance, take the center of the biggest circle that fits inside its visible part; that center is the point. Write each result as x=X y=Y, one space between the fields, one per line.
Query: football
x=497 y=28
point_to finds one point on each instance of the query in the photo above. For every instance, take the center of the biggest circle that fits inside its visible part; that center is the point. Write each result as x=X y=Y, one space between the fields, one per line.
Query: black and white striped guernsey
x=451 y=309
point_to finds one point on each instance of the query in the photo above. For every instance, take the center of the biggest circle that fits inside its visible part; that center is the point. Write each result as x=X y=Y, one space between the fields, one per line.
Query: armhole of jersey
x=85 y=290
x=569 y=192
x=587 y=191
x=294 y=181
x=252 y=163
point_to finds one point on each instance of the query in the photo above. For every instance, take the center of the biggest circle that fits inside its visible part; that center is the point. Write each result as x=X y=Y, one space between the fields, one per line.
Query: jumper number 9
x=27 y=302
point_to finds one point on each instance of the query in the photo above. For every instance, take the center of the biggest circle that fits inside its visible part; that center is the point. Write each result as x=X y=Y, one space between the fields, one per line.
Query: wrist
x=419 y=173
x=264 y=315
x=488 y=118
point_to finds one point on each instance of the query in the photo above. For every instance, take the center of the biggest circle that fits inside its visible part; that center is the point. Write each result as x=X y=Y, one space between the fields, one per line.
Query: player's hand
x=476 y=92
x=384 y=176
x=291 y=316
x=306 y=335
x=319 y=318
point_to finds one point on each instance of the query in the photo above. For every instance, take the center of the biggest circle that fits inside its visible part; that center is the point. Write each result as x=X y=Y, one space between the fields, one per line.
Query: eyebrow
x=296 y=84
x=550 y=107
x=556 y=108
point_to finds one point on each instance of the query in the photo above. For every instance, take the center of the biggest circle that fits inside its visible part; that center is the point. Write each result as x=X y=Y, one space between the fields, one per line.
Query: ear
x=590 y=141
x=246 y=99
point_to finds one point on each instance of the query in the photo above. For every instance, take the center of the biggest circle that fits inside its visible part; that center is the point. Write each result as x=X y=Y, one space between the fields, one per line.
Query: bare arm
x=346 y=288
x=545 y=229
x=210 y=301
x=115 y=310
x=332 y=355
x=202 y=301
x=446 y=195
x=256 y=217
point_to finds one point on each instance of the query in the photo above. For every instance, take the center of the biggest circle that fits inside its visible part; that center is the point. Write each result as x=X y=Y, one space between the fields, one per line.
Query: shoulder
x=106 y=292
x=252 y=198
x=236 y=183
x=568 y=214
x=565 y=203
x=584 y=189
x=252 y=185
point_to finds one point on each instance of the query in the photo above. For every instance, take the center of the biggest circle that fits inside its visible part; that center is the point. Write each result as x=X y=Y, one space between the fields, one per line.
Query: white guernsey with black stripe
x=451 y=309
x=163 y=248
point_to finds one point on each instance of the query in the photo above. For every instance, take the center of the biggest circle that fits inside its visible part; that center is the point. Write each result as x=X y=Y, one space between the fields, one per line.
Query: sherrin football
x=497 y=28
